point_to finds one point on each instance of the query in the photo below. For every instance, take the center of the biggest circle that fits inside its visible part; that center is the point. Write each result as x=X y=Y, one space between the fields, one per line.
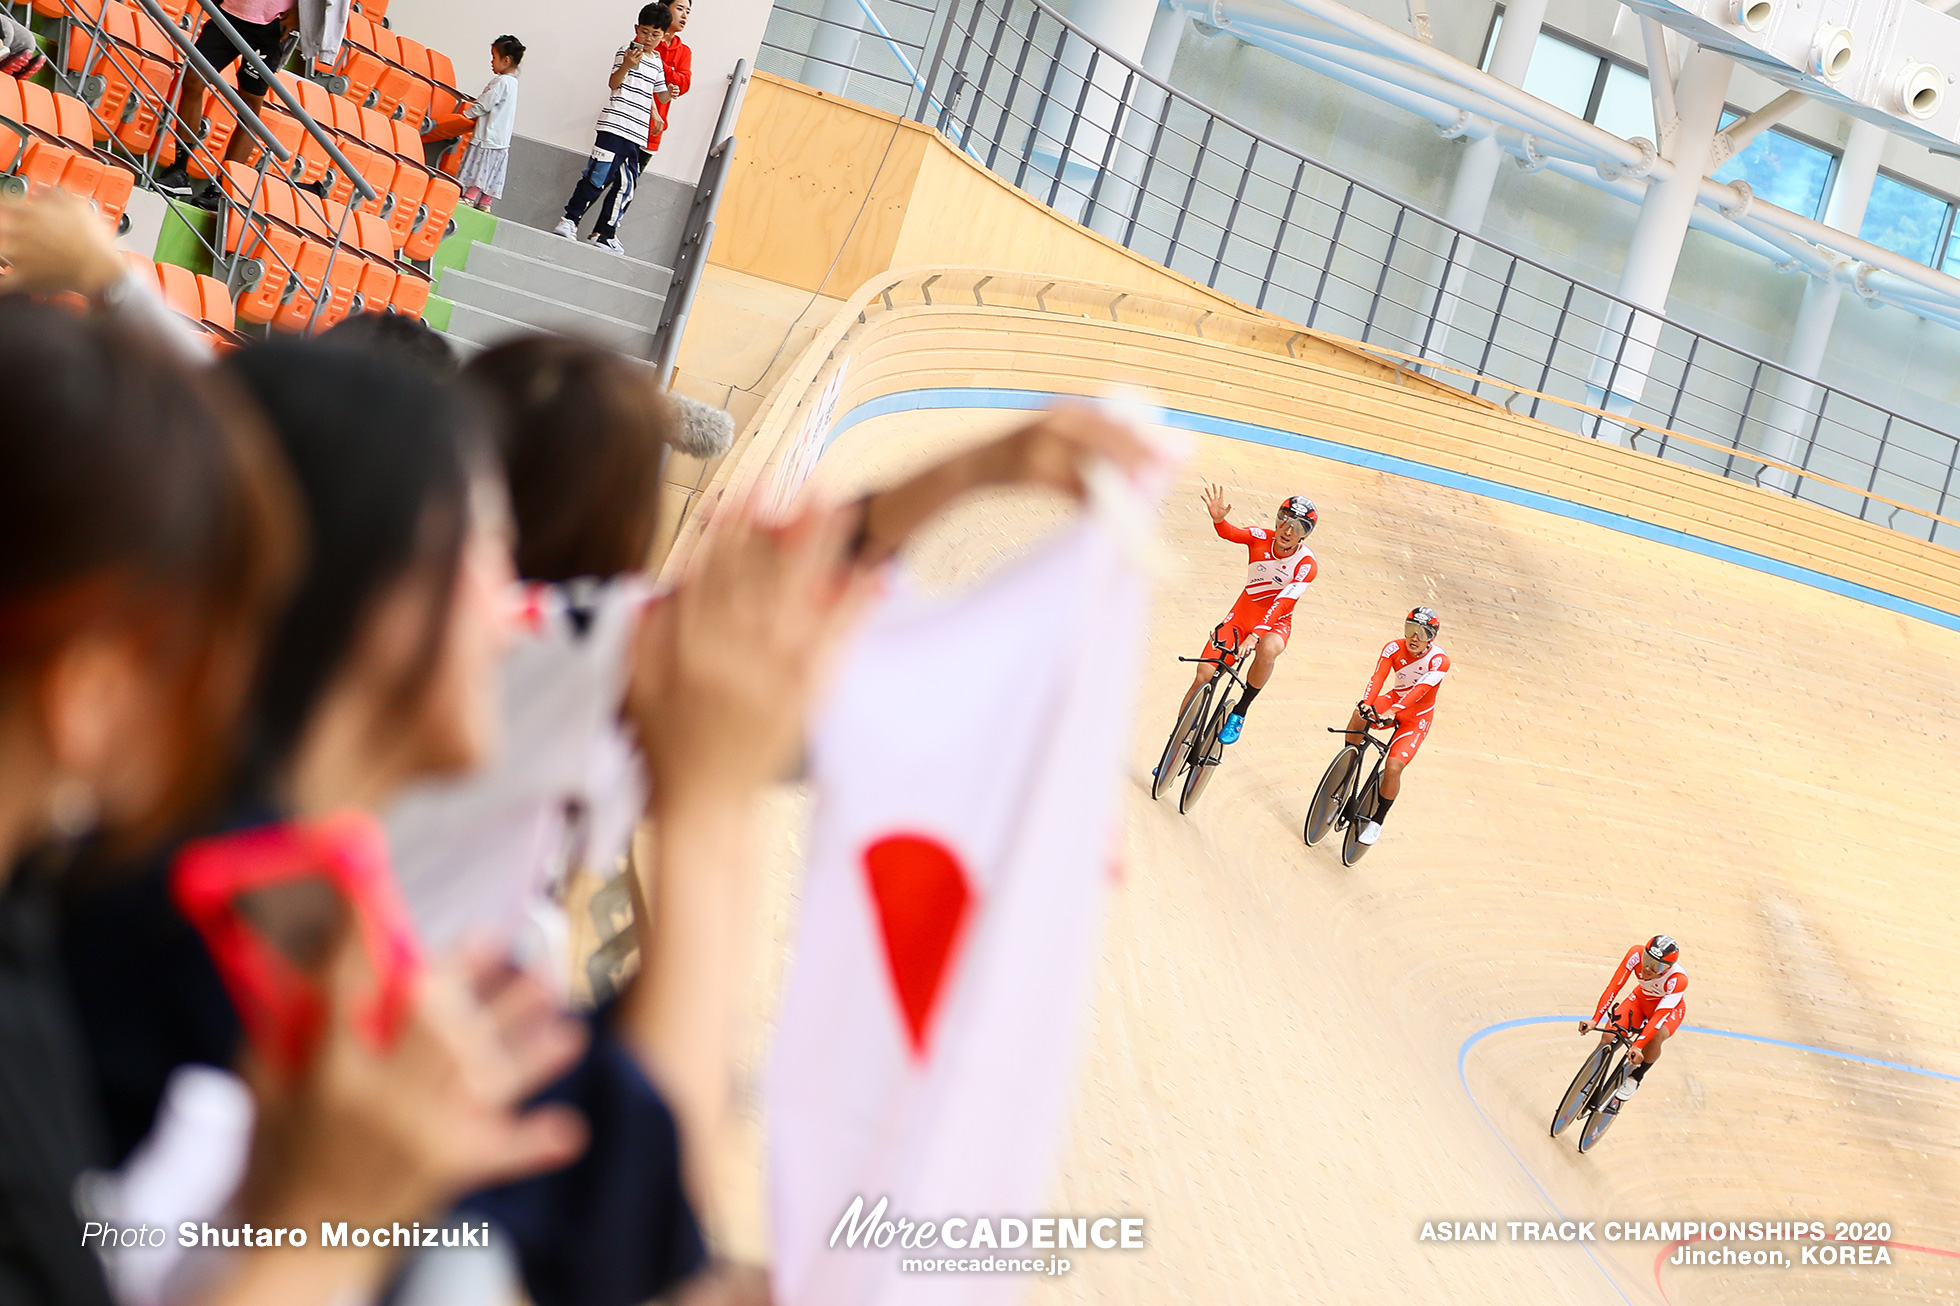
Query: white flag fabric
x=966 y=776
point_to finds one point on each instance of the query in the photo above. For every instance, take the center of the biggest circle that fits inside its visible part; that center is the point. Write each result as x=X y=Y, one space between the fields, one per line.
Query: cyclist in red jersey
x=1280 y=566
x=1655 y=1008
x=1403 y=692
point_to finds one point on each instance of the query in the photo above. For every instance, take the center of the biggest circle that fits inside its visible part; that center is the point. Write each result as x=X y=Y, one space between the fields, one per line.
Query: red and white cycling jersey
x=1272 y=584
x=1659 y=1001
x=1405 y=686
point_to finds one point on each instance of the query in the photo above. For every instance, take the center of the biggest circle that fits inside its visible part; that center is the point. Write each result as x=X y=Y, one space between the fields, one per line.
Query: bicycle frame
x=1226 y=656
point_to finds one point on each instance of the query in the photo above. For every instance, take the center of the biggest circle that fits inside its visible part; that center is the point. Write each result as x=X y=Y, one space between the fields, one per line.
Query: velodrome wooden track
x=1293 y=1065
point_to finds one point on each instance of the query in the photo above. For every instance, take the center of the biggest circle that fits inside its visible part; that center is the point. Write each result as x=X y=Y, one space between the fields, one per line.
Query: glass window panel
x=1625 y=107
x=1904 y=219
x=1952 y=264
x=1561 y=74
x=1490 y=46
x=1782 y=170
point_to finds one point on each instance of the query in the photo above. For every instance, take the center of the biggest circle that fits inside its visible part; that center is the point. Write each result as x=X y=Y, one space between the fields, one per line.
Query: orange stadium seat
x=358 y=62
x=155 y=62
x=412 y=290
x=379 y=271
x=215 y=306
x=268 y=233
x=51 y=148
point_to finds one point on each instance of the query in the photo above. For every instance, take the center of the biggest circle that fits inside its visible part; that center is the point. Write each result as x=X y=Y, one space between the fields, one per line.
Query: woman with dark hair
x=380 y=672
x=144 y=536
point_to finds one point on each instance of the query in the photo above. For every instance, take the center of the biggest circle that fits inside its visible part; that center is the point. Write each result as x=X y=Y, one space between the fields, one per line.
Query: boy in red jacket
x=678 y=63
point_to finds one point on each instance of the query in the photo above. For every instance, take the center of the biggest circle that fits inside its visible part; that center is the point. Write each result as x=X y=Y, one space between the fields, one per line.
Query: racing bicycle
x=1593 y=1087
x=1344 y=801
x=1193 y=750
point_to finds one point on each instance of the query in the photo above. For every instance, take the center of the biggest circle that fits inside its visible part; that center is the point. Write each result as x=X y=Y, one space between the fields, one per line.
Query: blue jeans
x=612 y=170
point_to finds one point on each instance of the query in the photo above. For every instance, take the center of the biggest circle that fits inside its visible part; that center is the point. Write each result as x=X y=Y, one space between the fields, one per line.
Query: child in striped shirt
x=628 y=121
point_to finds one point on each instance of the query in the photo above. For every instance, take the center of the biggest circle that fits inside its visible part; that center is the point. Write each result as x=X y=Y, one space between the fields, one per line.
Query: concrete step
x=581 y=257
x=472 y=329
x=539 y=313
x=604 y=295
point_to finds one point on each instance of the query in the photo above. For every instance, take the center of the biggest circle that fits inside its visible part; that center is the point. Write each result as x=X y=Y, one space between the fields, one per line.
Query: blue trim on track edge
x=993 y=397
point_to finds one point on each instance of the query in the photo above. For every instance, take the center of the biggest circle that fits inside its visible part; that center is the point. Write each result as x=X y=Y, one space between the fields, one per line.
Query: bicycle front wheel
x=1601 y=1119
x=1580 y=1093
x=1352 y=849
x=1205 y=754
x=1333 y=792
x=1178 y=746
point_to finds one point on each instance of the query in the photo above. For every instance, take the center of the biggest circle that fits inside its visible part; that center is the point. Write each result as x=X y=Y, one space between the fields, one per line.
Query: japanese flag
x=966 y=776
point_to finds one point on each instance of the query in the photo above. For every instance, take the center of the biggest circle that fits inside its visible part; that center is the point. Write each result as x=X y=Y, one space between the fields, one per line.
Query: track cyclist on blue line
x=1279 y=567
x=1655 y=1009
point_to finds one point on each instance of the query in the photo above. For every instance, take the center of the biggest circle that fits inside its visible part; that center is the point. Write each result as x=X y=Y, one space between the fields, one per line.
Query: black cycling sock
x=1245 y=704
x=1640 y=1071
x=1381 y=808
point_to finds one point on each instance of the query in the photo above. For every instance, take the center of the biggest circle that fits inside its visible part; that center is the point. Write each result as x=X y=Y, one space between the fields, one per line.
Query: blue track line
x=996 y=397
x=1463 y=1052
x=1505 y=1143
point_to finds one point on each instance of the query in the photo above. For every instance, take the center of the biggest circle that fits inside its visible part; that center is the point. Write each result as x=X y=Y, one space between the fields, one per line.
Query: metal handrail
x=691 y=258
x=182 y=40
x=286 y=97
x=1030 y=96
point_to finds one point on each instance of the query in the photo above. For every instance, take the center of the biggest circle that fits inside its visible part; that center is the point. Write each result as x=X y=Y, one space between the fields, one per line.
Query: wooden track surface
x=1634 y=739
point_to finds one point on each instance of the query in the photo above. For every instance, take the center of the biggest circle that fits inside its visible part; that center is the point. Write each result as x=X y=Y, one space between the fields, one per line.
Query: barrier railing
x=699 y=232
x=1094 y=136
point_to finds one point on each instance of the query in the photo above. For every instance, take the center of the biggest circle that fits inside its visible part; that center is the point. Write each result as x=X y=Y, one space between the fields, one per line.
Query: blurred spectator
x=57 y=243
x=408 y=339
x=381 y=673
x=627 y=125
x=145 y=532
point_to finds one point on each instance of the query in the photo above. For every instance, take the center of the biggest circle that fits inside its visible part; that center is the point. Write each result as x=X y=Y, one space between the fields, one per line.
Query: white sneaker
x=609 y=243
x=566 y=228
x=1627 y=1090
x=1369 y=833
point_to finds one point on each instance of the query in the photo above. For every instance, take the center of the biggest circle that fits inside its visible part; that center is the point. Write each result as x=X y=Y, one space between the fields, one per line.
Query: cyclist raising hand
x=1279 y=567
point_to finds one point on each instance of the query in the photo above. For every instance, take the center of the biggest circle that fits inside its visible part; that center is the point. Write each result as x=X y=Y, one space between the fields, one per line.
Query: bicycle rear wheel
x=1601 y=1119
x=1333 y=792
x=1178 y=747
x=1352 y=849
x=1205 y=753
x=1583 y=1083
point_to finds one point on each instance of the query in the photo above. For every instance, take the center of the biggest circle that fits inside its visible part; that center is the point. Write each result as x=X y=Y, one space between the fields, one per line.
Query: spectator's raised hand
x=56 y=242
x=373 y=1136
x=1054 y=451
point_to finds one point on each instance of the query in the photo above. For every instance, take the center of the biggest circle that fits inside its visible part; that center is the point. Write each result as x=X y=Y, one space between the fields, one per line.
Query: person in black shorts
x=264 y=25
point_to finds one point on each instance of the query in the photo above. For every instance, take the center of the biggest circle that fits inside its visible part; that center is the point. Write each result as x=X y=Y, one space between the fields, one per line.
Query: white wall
x=568 y=55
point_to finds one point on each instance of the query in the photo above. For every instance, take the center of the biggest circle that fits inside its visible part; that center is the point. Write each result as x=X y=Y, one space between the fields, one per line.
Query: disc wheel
x=1178 y=747
x=1326 y=807
x=1580 y=1093
x=1205 y=754
x=1352 y=849
x=1601 y=1119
